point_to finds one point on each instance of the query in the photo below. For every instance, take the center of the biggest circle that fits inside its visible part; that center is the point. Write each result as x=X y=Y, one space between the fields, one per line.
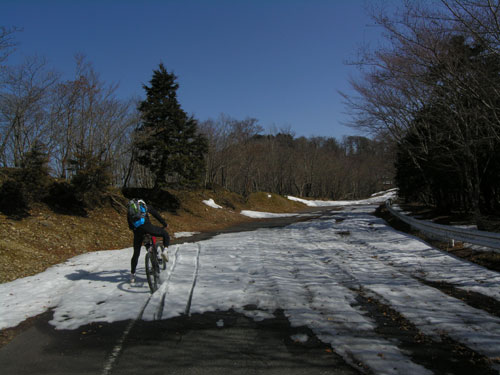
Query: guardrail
x=449 y=233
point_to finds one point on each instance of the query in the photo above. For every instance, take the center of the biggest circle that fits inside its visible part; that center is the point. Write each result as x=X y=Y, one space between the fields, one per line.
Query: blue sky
x=280 y=61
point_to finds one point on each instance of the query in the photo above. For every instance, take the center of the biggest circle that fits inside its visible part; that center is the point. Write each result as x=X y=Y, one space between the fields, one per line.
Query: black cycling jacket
x=152 y=210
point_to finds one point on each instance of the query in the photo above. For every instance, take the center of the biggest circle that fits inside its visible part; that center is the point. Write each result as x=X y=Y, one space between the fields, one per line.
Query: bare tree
x=218 y=133
x=7 y=42
x=478 y=18
x=24 y=108
x=231 y=158
x=88 y=118
x=434 y=89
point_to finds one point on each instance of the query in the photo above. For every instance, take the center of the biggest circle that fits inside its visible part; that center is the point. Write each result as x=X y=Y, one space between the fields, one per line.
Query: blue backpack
x=137 y=211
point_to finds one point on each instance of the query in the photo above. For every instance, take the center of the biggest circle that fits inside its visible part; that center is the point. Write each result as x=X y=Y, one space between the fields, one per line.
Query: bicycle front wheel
x=152 y=271
x=159 y=250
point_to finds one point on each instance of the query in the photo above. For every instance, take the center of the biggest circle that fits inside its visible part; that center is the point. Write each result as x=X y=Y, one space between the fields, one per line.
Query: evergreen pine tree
x=167 y=141
x=34 y=174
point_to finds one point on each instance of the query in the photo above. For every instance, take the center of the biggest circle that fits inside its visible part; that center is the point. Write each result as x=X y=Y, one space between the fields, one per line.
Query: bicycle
x=153 y=261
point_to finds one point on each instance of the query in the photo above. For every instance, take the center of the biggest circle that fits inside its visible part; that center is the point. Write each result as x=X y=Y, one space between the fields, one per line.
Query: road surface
x=339 y=293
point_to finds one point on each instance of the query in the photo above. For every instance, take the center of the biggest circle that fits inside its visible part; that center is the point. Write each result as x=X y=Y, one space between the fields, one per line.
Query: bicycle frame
x=149 y=240
x=151 y=259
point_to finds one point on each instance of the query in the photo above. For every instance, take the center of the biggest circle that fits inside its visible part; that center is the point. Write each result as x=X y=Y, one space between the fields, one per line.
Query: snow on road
x=312 y=270
x=264 y=215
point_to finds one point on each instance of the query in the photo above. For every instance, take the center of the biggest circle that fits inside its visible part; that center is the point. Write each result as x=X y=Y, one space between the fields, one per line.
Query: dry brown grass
x=30 y=245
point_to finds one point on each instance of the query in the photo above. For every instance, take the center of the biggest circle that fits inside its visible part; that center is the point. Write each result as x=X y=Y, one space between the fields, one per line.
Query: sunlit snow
x=311 y=270
x=184 y=234
x=210 y=202
x=375 y=199
x=263 y=215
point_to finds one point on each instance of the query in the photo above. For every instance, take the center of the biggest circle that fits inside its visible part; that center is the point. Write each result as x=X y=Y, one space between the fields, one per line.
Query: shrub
x=91 y=180
x=14 y=199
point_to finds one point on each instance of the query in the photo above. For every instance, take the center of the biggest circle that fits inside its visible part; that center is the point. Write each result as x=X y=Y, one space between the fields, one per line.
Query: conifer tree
x=167 y=140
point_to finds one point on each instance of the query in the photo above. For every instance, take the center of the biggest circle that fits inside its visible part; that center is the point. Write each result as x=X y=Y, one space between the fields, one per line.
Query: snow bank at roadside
x=184 y=234
x=376 y=198
x=264 y=215
x=210 y=202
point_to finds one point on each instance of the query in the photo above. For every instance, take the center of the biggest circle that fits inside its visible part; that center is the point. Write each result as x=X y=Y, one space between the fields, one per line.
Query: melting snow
x=211 y=203
x=311 y=270
x=264 y=215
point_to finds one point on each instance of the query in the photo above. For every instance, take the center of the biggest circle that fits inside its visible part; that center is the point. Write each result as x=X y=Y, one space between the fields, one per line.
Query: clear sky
x=279 y=61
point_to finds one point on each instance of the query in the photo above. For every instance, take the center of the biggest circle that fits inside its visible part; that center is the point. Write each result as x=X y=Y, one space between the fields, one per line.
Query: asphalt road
x=227 y=342
x=211 y=343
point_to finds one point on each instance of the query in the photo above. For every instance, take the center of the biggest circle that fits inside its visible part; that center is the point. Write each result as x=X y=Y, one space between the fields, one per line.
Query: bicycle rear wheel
x=152 y=271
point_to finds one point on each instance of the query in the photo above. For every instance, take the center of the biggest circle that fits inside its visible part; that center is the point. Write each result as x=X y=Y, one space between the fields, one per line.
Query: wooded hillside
x=80 y=133
x=433 y=88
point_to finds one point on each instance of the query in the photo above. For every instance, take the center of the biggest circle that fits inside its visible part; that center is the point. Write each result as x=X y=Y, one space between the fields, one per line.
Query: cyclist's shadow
x=119 y=277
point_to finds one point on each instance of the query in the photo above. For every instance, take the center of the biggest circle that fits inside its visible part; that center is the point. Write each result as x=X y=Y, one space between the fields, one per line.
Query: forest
x=76 y=138
x=433 y=88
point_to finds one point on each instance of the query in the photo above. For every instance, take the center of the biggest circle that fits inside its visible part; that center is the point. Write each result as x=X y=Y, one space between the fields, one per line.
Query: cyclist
x=142 y=226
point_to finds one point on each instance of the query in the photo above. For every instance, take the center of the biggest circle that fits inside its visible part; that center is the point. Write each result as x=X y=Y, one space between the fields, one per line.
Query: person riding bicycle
x=140 y=224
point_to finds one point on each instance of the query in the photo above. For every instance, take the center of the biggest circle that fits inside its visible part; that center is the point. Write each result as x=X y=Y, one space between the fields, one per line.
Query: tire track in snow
x=310 y=292
x=418 y=258
x=195 y=277
x=161 y=305
x=432 y=311
x=336 y=319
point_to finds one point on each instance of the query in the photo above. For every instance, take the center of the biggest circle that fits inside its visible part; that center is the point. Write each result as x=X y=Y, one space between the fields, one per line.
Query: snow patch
x=264 y=215
x=210 y=202
x=376 y=198
x=184 y=234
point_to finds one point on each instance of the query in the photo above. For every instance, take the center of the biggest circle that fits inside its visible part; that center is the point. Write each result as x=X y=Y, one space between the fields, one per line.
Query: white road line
x=115 y=353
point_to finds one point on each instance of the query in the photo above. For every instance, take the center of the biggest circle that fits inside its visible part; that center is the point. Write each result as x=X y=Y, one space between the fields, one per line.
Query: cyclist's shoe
x=164 y=255
x=132 y=278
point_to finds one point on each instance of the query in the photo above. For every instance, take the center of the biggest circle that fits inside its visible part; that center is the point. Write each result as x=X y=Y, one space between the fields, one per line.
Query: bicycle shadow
x=119 y=277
